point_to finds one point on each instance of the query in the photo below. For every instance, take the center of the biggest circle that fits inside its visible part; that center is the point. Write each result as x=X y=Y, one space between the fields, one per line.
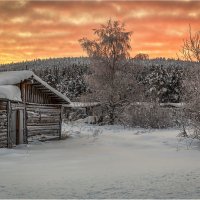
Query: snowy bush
x=163 y=84
x=191 y=97
x=150 y=116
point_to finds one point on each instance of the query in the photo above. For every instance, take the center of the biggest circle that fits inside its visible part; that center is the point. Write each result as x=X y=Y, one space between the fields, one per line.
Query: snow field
x=103 y=162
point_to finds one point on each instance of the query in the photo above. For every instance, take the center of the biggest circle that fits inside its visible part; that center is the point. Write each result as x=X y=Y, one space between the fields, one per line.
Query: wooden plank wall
x=43 y=119
x=39 y=119
x=3 y=124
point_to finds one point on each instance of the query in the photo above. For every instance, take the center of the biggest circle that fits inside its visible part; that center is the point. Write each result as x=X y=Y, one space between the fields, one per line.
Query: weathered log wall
x=3 y=124
x=43 y=119
x=38 y=119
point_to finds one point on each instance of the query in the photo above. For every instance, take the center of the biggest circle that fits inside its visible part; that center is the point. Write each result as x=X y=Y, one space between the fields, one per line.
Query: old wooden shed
x=28 y=107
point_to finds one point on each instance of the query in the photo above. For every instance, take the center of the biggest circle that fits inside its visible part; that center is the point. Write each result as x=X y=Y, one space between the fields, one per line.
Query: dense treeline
x=158 y=79
x=151 y=81
x=40 y=64
x=64 y=74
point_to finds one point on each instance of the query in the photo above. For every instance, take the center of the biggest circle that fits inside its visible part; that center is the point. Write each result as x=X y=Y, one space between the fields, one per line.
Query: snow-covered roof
x=14 y=77
x=176 y=105
x=10 y=92
x=82 y=104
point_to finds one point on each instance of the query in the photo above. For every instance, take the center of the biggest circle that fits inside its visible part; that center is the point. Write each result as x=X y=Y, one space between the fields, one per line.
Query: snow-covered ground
x=103 y=162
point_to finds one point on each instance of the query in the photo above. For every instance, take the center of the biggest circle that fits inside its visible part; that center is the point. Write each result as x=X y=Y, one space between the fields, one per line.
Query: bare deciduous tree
x=110 y=80
x=191 y=47
x=191 y=114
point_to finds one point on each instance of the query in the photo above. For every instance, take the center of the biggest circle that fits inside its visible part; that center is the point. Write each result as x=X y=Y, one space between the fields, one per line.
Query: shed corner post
x=61 y=121
x=9 y=142
x=25 y=124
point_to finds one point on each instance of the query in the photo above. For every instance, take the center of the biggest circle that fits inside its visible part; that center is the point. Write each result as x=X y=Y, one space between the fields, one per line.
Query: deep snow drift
x=103 y=162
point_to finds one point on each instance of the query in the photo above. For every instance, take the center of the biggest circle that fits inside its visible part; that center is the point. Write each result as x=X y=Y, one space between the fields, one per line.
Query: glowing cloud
x=41 y=29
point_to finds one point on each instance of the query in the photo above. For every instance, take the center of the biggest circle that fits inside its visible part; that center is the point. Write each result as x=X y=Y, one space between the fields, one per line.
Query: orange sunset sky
x=42 y=29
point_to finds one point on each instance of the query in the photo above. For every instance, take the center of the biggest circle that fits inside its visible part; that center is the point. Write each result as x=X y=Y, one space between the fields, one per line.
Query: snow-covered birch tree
x=108 y=52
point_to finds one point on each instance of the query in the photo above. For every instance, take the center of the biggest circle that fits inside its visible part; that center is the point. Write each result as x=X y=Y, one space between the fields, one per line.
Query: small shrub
x=150 y=116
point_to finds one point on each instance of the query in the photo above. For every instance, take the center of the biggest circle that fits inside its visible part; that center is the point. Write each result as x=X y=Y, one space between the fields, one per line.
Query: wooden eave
x=45 y=90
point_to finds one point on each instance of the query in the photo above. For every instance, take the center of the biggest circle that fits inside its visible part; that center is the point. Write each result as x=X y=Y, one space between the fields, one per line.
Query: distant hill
x=39 y=64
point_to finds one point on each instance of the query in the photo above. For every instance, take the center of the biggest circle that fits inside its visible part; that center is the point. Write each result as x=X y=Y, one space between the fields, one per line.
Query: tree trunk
x=112 y=114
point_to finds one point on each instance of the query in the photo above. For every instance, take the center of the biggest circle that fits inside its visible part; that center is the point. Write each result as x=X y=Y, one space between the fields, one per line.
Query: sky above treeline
x=42 y=29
